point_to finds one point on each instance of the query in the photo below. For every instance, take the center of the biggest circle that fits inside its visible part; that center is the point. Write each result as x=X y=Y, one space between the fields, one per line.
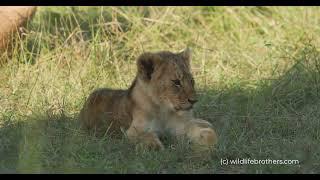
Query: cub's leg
x=137 y=134
x=201 y=132
x=198 y=131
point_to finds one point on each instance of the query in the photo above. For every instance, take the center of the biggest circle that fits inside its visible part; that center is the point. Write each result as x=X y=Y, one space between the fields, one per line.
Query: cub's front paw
x=204 y=138
x=151 y=141
x=207 y=137
x=201 y=133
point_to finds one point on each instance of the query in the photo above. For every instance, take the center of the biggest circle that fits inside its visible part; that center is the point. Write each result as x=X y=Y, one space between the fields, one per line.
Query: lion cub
x=159 y=101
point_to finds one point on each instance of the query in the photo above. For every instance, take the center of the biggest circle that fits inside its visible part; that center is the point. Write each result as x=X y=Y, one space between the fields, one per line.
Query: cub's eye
x=176 y=82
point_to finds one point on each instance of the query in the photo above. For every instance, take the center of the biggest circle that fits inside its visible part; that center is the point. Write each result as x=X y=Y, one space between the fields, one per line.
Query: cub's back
x=107 y=109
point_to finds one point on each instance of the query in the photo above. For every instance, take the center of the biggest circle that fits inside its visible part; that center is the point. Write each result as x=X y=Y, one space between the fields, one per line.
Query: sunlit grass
x=256 y=70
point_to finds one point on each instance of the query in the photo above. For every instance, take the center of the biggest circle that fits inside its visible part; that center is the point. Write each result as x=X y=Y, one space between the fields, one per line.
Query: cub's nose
x=192 y=101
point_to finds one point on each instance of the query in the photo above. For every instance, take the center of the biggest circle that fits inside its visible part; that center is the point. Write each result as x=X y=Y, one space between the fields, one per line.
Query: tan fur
x=159 y=101
x=12 y=18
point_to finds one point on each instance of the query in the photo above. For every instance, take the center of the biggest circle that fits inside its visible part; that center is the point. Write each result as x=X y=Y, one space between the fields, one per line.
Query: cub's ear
x=147 y=64
x=186 y=54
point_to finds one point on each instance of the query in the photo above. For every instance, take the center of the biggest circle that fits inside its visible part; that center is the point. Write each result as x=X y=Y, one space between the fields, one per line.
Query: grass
x=257 y=71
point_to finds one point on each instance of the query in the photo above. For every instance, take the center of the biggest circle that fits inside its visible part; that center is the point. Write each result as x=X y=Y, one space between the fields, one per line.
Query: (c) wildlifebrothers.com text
x=246 y=161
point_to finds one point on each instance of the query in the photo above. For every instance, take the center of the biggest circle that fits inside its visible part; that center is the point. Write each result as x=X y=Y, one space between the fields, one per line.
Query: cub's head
x=168 y=79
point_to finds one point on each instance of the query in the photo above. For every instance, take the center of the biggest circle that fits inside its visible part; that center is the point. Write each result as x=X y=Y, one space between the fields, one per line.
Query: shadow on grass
x=55 y=144
x=279 y=120
x=25 y=144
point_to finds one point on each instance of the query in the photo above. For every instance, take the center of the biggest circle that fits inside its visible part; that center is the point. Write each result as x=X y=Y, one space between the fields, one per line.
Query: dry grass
x=256 y=69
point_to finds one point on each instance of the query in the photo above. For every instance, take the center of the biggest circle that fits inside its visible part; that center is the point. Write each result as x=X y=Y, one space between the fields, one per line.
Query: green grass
x=257 y=71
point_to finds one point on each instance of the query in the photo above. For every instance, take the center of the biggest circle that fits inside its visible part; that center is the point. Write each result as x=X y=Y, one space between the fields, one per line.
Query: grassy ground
x=257 y=71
